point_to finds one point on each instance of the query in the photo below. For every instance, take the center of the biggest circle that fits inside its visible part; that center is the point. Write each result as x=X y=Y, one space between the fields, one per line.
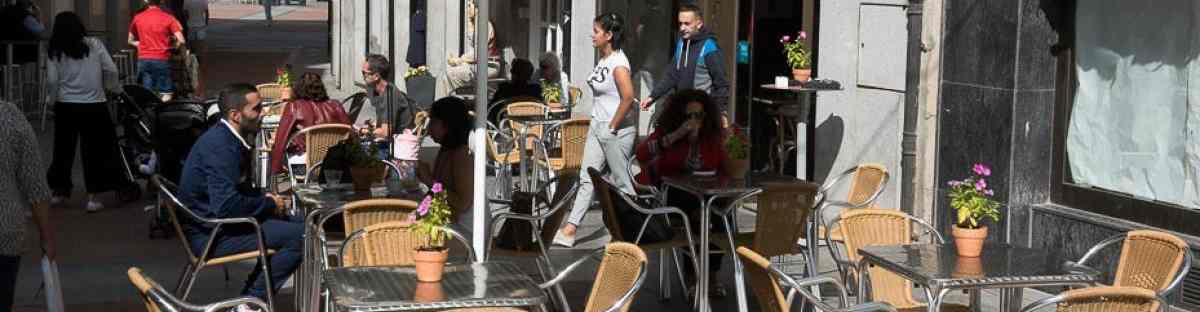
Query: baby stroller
x=131 y=116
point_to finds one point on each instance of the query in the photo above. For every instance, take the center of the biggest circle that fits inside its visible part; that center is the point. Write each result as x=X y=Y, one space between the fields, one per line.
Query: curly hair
x=310 y=87
x=675 y=114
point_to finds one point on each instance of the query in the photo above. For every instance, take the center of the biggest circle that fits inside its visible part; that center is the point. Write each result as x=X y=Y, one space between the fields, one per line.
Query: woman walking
x=610 y=138
x=77 y=69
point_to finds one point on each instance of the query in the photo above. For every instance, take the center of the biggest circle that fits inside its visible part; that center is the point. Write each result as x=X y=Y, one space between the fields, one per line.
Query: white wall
x=583 y=57
x=863 y=122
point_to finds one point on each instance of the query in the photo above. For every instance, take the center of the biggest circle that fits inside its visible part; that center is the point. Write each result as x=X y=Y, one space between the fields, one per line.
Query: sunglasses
x=695 y=115
x=367 y=73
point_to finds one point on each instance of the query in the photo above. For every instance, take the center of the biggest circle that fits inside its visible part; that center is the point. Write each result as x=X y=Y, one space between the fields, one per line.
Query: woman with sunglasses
x=687 y=140
x=612 y=131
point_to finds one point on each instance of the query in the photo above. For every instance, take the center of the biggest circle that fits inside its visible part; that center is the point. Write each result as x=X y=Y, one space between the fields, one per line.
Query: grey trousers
x=604 y=150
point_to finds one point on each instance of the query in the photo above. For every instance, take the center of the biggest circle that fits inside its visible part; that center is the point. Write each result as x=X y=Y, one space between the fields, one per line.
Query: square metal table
x=1004 y=266
x=708 y=189
x=315 y=201
x=485 y=284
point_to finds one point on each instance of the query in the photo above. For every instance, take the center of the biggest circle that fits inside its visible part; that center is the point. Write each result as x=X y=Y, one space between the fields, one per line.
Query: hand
x=382 y=132
x=280 y=204
x=646 y=103
x=49 y=246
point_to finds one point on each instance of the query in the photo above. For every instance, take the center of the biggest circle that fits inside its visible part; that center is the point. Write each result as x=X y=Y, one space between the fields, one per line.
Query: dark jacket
x=697 y=65
x=216 y=178
x=416 y=40
x=297 y=116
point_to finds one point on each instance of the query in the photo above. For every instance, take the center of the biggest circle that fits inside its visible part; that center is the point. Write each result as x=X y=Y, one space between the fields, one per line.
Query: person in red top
x=312 y=107
x=151 y=32
x=687 y=139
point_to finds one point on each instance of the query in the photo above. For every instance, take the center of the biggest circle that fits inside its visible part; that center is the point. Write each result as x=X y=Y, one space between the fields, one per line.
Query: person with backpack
x=698 y=63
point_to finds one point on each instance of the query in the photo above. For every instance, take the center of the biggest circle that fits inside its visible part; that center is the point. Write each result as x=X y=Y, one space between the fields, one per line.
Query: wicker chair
x=620 y=275
x=874 y=227
x=1103 y=299
x=360 y=215
x=547 y=214
x=571 y=134
x=270 y=91
x=158 y=299
x=867 y=182
x=1152 y=260
x=608 y=196
x=764 y=281
x=391 y=243
x=166 y=193
x=525 y=109
x=317 y=141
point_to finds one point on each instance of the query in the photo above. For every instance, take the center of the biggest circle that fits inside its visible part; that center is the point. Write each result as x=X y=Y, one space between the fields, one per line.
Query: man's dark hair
x=233 y=97
x=522 y=70
x=379 y=64
x=614 y=24
x=692 y=8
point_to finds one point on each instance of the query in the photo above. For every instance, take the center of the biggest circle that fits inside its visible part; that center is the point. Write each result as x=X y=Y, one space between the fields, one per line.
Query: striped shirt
x=22 y=177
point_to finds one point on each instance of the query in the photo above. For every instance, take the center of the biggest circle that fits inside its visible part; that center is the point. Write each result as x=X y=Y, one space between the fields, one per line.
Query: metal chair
x=206 y=258
x=544 y=219
x=609 y=197
x=393 y=243
x=360 y=215
x=621 y=274
x=867 y=182
x=873 y=227
x=317 y=141
x=1152 y=260
x=158 y=299
x=571 y=134
x=1103 y=299
x=525 y=109
x=764 y=281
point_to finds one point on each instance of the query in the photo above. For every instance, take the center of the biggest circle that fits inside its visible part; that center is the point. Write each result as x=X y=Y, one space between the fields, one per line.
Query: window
x=1134 y=120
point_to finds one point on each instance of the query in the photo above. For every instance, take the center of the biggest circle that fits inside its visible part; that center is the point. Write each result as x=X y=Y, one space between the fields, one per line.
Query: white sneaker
x=93 y=205
x=245 y=308
x=564 y=240
x=57 y=200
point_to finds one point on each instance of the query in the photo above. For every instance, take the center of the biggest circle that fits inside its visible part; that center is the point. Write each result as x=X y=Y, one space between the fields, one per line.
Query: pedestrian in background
x=152 y=32
x=77 y=69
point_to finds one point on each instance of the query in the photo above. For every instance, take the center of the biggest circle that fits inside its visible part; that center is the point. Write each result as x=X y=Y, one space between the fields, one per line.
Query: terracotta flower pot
x=430 y=264
x=802 y=74
x=968 y=267
x=969 y=242
x=737 y=168
x=364 y=177
x=429 y=292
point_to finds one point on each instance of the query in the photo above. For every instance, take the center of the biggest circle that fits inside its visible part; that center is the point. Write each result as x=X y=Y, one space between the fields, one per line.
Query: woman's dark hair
x=614 y=24
x=676 y=113
x=68 y=37
x=310 y=87
x=452 y=111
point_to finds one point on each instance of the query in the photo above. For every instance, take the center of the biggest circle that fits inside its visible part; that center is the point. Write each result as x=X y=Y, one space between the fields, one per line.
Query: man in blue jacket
x=216 y=183
x=697 y=63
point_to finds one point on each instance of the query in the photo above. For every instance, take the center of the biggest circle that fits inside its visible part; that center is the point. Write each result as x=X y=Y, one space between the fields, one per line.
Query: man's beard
x=249 y=128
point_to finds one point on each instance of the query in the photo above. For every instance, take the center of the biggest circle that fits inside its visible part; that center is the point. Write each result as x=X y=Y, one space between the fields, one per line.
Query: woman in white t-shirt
x=612 y=134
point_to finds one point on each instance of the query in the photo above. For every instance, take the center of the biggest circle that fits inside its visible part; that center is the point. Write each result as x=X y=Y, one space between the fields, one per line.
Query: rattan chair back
x=364 y=213
x=1150 y=260
x=510 y=156
x=879 y=227
x=783 y=209
x=526 y=109
x=392 y=243
x=771 y=297
x=619 y=272
x=270 y=91
x=1109 y=299
x=573 y=136
x=576 y=94
x=868 y=179
x=318 y=139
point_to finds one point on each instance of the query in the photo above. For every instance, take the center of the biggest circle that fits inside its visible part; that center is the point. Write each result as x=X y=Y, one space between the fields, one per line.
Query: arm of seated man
x=225 y=198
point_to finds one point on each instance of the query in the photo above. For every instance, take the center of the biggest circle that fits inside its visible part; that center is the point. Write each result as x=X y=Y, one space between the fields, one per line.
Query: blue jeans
x=286 y=237
x=155 y=75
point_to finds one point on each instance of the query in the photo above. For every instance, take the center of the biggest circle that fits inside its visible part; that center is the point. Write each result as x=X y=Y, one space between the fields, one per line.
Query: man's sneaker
x=564 y=240
x=94 y=206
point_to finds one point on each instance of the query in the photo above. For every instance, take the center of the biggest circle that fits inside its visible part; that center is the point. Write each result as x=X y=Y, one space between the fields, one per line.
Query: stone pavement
x=96 y=249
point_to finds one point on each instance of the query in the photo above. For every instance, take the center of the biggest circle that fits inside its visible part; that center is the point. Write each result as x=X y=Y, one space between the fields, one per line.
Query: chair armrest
x=869 y=306
x=232 y=303
x=562 y=275
x=724 y=211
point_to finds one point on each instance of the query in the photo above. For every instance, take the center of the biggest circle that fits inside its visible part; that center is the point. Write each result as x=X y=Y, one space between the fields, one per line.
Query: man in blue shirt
x=216 y=184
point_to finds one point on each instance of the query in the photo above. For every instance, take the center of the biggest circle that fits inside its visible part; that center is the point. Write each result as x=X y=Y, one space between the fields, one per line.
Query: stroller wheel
x=130 y=193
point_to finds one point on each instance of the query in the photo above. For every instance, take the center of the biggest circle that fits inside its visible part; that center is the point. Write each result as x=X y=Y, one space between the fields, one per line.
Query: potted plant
x=283 y=77
x=799 y=56
x=351 y=154
x=421 y=84
x=970 y=198
x=552 y=94
x=737 y=152
x=433 y=215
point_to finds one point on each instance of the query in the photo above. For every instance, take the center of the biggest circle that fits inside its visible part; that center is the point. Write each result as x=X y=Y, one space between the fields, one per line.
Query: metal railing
x=25 y=83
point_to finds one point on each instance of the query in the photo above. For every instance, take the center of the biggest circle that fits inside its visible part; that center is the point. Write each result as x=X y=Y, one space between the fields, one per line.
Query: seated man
x=216 y=184
x=519 y=87
x=461 y=70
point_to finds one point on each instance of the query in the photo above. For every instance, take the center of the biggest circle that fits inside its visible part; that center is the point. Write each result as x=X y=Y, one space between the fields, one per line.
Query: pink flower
x=437 y=187
x=981 y=185
x=424 y=207
x=982 y=170
x=803 y=35
x=786 y=39
x=988 y=193
x=954 y=183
